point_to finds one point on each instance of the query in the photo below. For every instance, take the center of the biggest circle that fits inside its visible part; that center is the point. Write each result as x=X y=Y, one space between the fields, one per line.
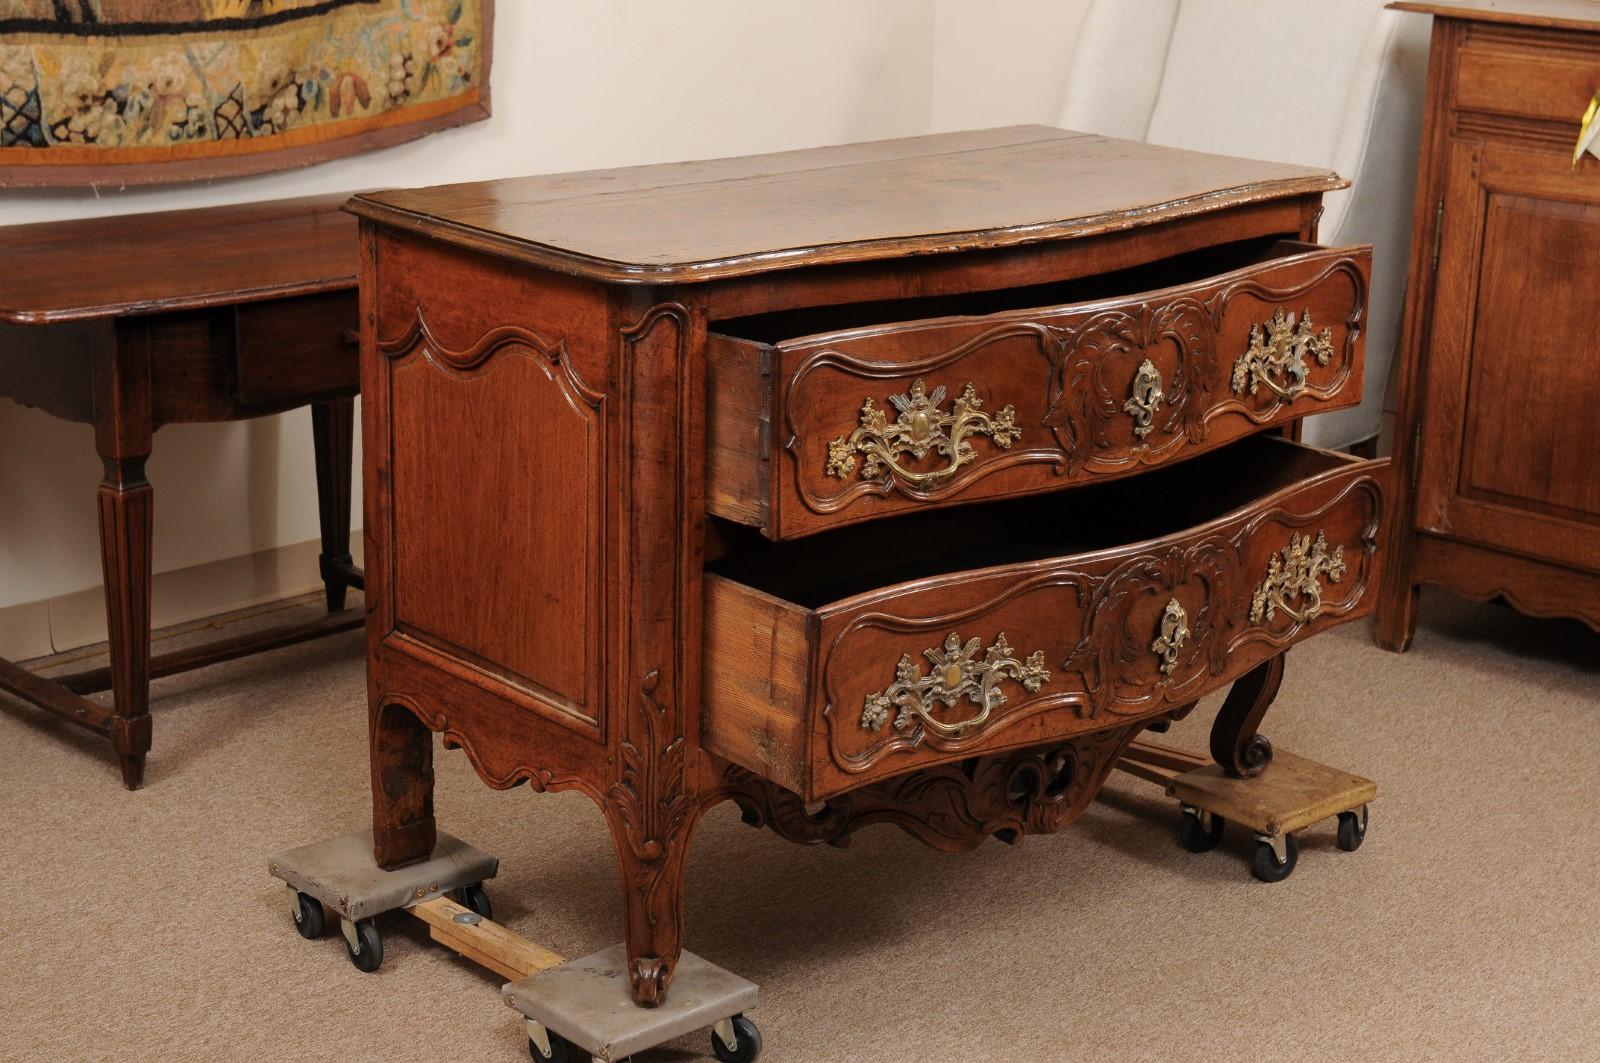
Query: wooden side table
x=134 y=322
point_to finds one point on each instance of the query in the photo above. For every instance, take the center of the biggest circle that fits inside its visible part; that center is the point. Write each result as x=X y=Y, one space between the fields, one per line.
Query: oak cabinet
x=1501 y=381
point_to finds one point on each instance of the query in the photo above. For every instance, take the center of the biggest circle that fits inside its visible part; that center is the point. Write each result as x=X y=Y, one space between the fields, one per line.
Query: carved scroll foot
x=647 y=979
x=652 y=868
x=1234 y=741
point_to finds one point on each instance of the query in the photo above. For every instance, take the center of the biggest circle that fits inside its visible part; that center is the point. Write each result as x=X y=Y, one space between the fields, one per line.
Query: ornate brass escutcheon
x=920 y=429
x=1295 y=574
x=1174 y=633
x=1280 y=351
x=1145 y=398
x=956 y=674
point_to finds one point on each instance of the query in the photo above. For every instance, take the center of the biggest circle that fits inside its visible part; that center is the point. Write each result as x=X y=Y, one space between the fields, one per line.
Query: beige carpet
x=144 y=927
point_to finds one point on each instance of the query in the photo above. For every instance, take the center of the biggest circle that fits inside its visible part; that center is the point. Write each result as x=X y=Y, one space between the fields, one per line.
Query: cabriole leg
x=403 y=830
x=1234 y=741
x=652 y=871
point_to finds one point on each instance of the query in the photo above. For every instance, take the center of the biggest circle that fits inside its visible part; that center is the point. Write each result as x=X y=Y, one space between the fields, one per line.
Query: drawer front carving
x=885 y=420
x=1104 y=640
x=977 y=662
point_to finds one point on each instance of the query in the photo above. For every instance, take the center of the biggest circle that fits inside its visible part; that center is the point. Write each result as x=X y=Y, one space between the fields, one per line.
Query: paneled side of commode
x=497 y=405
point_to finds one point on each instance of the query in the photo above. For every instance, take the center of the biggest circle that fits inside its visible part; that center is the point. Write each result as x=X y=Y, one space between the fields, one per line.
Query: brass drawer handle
x=1144 y=398
x=920 y=429
x=957 y=674
x=1280 y=351
x=1294 y=575
x=1174 y=633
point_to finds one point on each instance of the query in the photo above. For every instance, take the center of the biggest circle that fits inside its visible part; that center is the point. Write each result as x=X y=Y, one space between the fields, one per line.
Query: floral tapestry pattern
x=96 y=91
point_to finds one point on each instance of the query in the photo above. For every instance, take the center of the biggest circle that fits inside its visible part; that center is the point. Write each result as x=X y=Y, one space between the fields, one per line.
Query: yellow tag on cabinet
x=1589 y=133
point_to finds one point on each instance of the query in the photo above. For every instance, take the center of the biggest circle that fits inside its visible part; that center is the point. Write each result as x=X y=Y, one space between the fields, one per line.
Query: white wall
x=577 y=84
x=1002 y=63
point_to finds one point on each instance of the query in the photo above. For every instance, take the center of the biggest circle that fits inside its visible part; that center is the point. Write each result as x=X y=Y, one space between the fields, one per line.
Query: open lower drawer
x=867 y=652
x=1001 y=394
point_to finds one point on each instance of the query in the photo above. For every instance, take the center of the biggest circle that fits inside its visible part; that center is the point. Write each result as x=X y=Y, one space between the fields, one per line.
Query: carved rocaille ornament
x=953 y=807
x=921 y=428
x=1295 y=575
x=1112 y=657
x=957 y=674
x=1280 y=352
x=1092 y=390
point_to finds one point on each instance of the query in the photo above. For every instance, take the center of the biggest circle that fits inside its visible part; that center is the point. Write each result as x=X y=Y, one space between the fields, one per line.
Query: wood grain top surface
x=685 y=222
x=1550 y=14
x=175 y=260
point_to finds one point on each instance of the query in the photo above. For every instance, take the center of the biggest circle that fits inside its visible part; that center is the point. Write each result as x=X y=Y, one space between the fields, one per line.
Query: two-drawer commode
x=902 y=482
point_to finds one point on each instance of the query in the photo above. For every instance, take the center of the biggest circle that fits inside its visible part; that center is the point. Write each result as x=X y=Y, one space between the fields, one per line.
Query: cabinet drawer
x=1526 y=74
x=867 y=652
x=291 y=351
x=1011 y=393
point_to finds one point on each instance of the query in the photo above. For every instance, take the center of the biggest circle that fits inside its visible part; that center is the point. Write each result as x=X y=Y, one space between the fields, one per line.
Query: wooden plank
x=184 y=660
x=754 y=712
x=738 y=444
x=1291 y=794
x=1177 y=761
x=484 y=942
x=1158 y=764
x=1148 y=772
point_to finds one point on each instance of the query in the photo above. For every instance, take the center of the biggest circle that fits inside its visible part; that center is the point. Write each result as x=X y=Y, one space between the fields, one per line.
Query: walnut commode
x=900 y=482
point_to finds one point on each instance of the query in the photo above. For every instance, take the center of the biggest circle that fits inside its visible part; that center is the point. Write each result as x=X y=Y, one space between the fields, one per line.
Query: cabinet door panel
x=1513 y=387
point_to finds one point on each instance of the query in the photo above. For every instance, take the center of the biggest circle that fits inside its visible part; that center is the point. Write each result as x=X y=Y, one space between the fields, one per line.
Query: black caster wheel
x=1265 y=866
x=561 y=1050
x=476 y=898
x=747 y=1042
x=1352 y=829
x=1199 y=832
x=308 y=919
x=367 y=950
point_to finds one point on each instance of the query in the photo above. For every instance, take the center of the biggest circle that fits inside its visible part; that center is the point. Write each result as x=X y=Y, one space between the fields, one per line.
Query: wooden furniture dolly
x=133 y=322
x=569 y=1007
x=1273 y=806
x=904 y=482
x=1500 y=351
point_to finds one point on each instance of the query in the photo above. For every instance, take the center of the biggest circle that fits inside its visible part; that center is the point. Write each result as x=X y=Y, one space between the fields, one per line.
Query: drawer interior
x=1166 y=273
x=834 y=565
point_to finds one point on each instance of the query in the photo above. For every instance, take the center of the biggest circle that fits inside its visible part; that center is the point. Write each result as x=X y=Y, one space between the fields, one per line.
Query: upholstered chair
x=1335 y=83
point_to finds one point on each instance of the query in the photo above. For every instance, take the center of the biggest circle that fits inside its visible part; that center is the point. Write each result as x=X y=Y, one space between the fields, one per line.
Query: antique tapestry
x=141 y=91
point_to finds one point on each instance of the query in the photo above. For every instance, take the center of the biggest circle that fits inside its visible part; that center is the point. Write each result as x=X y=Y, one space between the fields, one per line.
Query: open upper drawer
x=867 y=652
x=1006 y=393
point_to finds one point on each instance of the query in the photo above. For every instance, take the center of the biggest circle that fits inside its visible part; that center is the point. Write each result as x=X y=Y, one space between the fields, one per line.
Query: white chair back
x=1334 y=83
x=1270 y=79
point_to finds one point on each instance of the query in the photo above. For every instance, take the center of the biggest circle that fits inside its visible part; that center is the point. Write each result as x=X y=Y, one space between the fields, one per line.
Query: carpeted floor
x=143 y=926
